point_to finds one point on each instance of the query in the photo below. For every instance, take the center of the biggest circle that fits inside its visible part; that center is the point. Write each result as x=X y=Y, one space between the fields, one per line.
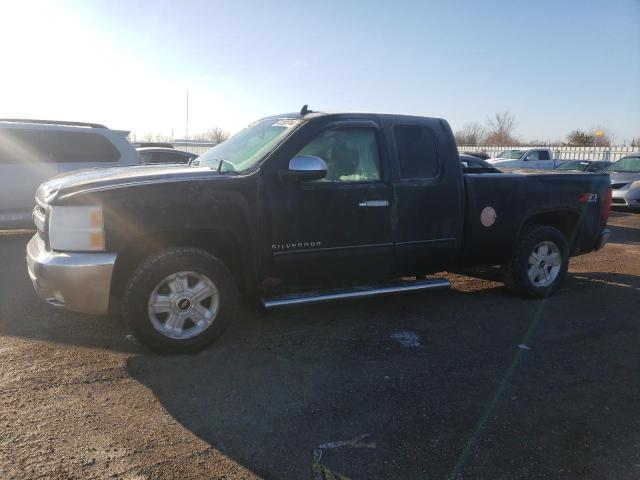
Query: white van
x=31 y=151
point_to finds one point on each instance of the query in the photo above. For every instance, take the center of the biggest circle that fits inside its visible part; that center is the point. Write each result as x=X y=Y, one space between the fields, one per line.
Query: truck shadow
x=417 y=373
x=278 y=385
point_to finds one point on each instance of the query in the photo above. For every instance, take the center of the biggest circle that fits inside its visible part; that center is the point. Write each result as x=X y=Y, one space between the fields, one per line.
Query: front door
x=339 y=226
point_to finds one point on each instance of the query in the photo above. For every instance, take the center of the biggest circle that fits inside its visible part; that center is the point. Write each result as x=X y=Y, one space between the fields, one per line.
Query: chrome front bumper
x=76 y=281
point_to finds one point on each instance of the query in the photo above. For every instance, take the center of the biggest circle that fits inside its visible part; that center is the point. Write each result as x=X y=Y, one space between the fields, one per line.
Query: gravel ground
x=426 y=386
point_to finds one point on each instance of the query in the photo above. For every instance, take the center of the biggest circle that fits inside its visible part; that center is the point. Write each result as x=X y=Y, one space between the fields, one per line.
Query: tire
x=179 y=300
x=523 y=276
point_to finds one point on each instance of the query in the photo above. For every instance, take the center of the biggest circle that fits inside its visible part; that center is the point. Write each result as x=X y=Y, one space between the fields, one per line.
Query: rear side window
x=20 y=146
x=77 y=147
x=417 y=151
x=544 y=155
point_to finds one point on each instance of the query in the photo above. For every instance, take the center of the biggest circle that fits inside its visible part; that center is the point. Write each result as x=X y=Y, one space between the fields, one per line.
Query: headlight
x=76 y=228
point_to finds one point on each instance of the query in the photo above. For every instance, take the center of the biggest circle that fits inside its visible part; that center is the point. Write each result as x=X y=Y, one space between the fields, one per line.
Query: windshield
x=247 y=147
x=626 y=165
x=511 y=154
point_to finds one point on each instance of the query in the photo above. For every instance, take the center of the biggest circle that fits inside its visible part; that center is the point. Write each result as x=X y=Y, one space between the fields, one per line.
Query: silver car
x=31 y=151
x=625 y=182
x=164 y=155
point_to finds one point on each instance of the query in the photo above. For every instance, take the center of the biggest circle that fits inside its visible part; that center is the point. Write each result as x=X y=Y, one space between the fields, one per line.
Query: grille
x=619 y=201
x=40 y=220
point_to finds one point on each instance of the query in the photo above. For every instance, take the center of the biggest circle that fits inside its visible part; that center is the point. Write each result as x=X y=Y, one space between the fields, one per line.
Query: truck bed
x=517 y=197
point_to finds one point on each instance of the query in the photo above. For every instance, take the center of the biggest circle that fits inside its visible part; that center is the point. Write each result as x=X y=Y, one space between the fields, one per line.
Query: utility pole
x=186 y=135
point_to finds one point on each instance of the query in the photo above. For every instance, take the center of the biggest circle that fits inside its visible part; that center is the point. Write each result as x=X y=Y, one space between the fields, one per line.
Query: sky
x=556 y=65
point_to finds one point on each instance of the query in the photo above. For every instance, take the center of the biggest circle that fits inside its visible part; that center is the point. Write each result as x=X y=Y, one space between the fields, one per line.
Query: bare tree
x=501 y=129
x=635 y=142
x=537 y=142
x=216 y=135
x=471 y=133
x=151 y=138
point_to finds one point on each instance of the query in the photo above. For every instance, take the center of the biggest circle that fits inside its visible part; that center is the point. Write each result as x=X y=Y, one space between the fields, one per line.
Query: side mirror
x=305 y=168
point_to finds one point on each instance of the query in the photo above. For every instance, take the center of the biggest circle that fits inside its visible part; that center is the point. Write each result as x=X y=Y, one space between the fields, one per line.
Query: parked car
x=153 y=144
x=33 y=150
x=481 y=155
x=297 y=209
x=625 y=182
x=164 y=155
x=537 y=158
x=583 y=165
x=471 y=164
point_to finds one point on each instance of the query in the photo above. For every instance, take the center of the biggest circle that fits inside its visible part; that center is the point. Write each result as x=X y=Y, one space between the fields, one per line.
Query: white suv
x=31 y=151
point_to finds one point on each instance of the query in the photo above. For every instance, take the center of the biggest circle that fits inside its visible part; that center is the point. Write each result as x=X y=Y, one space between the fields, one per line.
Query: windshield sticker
x=286 y=123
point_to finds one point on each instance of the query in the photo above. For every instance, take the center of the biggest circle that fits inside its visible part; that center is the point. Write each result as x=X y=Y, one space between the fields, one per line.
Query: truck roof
x=387 y=116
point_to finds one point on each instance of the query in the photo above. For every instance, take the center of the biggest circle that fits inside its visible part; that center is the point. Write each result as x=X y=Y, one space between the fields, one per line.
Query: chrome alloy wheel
x=544 y=264
x=183 y=305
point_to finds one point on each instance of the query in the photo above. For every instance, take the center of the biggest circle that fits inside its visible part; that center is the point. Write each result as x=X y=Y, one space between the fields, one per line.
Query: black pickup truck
x=301 y=208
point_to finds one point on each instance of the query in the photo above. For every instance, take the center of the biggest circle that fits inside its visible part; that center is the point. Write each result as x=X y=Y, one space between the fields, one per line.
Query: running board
x=310 y=298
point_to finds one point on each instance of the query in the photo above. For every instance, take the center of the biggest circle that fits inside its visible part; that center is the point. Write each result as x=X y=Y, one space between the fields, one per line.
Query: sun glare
x=65 y=67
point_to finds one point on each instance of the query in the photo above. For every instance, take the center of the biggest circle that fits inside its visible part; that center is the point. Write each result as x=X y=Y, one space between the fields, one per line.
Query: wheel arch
x=221 y=243
x=565 y=220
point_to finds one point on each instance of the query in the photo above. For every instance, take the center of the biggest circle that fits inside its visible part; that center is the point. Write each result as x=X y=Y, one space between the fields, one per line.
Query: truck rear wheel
x=179 y=300
x=539 y=264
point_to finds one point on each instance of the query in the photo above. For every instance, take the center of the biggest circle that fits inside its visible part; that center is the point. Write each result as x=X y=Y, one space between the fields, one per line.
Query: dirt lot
x=435 y=381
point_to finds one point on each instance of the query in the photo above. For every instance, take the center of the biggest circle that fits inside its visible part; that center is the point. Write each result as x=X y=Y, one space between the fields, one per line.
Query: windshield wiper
x=217 y=168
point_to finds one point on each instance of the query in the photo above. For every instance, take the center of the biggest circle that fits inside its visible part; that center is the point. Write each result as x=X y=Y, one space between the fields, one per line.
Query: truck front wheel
x=539 y=263
x=179 y=300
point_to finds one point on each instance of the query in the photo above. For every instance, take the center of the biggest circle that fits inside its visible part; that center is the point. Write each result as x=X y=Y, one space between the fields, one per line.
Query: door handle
x=374 y=203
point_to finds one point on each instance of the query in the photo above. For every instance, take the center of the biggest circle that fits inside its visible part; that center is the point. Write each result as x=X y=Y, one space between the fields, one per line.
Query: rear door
x=24 y=165
x=429 y=199
x=338 y=227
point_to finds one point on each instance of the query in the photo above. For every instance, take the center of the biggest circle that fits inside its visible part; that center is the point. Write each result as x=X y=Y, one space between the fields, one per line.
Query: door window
x=351 y=154
x=417 y=151
x=544 y=155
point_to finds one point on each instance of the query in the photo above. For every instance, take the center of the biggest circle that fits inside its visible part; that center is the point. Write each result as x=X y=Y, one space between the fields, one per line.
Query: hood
x=624 y=177
x=104 y=178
